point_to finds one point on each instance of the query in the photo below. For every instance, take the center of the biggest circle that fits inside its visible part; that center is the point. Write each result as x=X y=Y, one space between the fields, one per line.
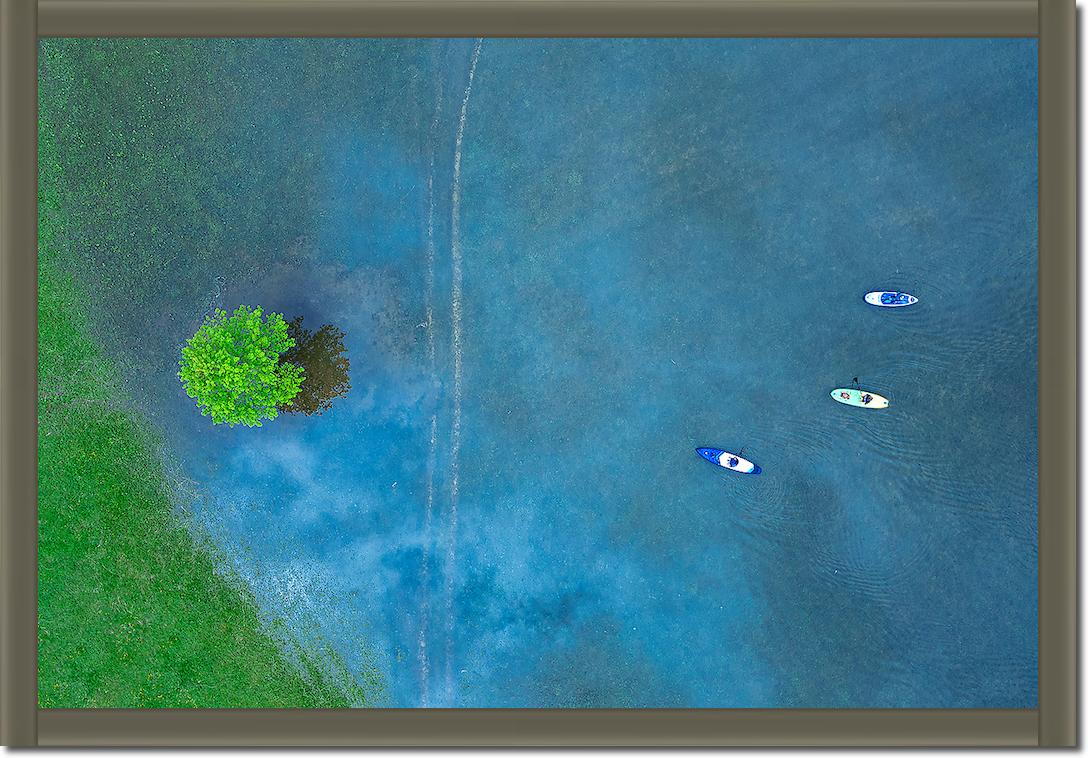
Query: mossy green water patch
x=133 y=610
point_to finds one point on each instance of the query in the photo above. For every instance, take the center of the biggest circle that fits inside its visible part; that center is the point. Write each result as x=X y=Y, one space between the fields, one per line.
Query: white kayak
x=890 y=299
x=728 y=460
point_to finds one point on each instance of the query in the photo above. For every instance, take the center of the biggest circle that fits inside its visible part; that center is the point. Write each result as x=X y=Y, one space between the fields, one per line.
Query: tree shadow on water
x=321 y=355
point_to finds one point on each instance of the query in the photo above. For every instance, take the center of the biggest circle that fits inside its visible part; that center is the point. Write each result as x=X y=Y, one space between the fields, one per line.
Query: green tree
x=321 y=356
x=232 y=366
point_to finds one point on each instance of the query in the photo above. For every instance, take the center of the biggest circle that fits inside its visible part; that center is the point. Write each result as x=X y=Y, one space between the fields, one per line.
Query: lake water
x=561 y=266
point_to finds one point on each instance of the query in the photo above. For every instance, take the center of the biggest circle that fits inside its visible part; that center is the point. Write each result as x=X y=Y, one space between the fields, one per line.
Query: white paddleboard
x=859 y=398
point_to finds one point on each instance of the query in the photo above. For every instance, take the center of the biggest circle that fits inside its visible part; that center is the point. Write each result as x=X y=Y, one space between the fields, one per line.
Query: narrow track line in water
x=424 y=624
x=456 y=333
x=432 y=447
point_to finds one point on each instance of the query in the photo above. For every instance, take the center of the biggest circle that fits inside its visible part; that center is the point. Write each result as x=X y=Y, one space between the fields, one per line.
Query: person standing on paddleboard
x=866 y=398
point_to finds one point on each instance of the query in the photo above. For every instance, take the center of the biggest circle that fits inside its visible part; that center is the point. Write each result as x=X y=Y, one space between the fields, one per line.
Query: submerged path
x=456 y=331
x=432 y=447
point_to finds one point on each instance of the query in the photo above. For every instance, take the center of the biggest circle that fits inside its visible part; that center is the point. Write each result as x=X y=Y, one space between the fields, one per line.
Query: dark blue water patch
x=661 y=245
x=596 y=665
x=725 y=271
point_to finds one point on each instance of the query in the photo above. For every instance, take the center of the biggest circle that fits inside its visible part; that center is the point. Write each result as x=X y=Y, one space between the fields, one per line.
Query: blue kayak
x=728 y=460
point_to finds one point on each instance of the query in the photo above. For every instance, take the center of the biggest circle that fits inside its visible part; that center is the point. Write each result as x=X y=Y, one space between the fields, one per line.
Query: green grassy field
x=133 y=610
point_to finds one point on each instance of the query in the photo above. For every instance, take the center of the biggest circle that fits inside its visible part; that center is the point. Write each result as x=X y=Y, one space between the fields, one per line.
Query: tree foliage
x=232 y=366
x=321 y=356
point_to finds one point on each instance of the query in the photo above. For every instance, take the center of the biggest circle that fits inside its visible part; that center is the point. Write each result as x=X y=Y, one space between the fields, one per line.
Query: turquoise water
x=561 y=267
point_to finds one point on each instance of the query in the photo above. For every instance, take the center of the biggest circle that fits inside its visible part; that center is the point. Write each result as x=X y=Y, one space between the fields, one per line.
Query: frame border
x=1051 y=21
x=456 y=727
x=539 y=18
x=1057 y=346
x=18 y=372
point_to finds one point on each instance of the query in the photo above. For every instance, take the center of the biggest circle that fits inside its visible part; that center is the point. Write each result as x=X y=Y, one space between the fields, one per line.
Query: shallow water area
x=562 y=266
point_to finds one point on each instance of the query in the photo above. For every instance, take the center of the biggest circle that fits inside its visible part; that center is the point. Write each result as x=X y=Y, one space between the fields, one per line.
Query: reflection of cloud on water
x=324 y=540
x=301 y=601
x=320 y=515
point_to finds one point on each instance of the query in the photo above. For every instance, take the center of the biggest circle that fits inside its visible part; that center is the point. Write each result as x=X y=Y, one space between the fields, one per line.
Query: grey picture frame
x=1052 y=22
